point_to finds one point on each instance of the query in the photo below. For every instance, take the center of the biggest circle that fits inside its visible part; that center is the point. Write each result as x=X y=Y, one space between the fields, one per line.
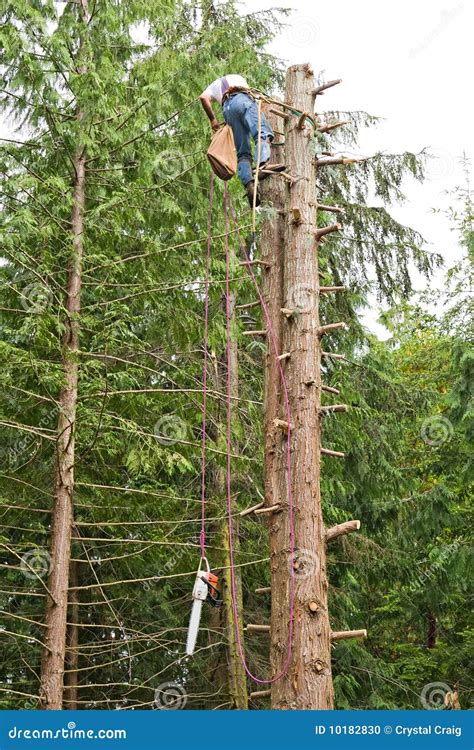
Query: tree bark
x=72 y=642
x=308 y=682
x=52 y=670
x=272 y=246
x=432 y=630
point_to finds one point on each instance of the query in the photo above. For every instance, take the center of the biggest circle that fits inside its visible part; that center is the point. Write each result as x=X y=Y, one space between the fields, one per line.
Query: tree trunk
x=236 y=677
x=52 y=671
x=432 y=633
x=272 y=252
x=237 y=680
x=72 y=642
x=308 y=682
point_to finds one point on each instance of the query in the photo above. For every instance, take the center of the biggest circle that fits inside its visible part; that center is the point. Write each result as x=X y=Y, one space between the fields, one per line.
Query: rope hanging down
x=229 y=211
x=202 y=535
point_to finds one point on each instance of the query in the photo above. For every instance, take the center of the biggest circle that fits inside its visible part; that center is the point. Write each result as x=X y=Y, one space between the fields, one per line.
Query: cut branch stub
x=333 y=355
x=247 y=511
x=330 y=389
x=302 y=120
x=271 y=509
x=329 y=452
x=331 y=408
x=331 y=209
x=332 y=126
x=322 y=330
x=254 y=333
x=297 y=217
x=248 y=305
x=264 y=590
x=280 y=113
x=327 y=161
x=328 y=289
x=320 y=89
x=255 y=262
x=342 y=635
x=260 y=694
x=323 y=231
x=342 y=528
x=258 y=628
x=281 y=423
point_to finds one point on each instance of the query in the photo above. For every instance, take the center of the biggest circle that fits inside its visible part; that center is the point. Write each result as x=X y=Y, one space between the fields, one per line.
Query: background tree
x=138 y=420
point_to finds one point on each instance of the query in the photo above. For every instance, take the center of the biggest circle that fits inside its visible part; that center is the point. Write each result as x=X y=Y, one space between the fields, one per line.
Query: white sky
x=407 y=62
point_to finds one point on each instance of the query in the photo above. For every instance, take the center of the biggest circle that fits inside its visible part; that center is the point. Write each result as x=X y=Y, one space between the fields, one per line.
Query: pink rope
x=202 y=535
x=287 y=662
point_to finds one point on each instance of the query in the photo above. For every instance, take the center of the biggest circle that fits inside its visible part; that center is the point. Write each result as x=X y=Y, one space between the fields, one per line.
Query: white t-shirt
x=216 y=90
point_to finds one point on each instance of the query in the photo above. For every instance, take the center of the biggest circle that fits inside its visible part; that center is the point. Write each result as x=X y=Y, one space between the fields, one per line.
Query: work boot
x=249 y=189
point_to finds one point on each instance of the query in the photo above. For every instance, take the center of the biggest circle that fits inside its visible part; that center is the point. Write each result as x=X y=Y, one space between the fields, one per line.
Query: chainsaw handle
x=215 y=601
x=206 y=562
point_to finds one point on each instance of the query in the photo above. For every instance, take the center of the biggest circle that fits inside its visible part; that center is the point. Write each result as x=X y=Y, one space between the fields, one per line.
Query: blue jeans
x=241 y=113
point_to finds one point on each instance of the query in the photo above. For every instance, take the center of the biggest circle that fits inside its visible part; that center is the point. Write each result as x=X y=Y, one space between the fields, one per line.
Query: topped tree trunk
x=308 y=681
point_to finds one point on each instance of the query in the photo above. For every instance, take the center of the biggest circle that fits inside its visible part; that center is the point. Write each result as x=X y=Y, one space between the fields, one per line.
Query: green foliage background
x=139 y=418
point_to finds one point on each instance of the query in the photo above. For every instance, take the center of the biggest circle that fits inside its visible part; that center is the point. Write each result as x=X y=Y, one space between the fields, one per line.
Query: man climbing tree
x=240 y=110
